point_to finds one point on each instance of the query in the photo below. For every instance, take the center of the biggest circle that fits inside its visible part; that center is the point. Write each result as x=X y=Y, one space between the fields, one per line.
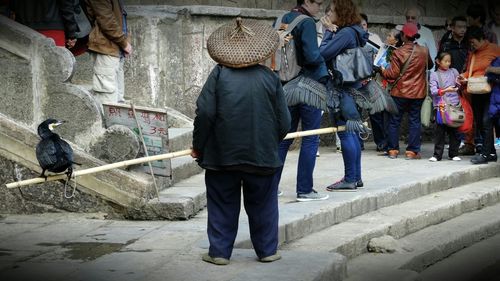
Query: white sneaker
x=456 y=158
x=280 y=192
x=433 y=159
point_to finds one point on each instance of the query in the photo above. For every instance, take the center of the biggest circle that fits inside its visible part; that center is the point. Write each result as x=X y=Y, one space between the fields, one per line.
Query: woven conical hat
x=242 y=43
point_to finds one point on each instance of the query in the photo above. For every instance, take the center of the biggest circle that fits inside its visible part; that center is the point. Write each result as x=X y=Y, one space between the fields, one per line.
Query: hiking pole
x=155 y=158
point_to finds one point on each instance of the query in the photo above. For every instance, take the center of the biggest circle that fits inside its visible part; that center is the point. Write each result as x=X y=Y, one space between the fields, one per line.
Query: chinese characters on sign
x=154 y=128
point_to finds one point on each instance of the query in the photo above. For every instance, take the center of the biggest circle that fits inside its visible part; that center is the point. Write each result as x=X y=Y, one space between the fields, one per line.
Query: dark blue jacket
x=241 y=118
x=306 y=43
x=345 y=38
x=494 y=79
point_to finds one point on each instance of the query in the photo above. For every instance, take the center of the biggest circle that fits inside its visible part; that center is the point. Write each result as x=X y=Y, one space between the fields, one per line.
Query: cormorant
x=53 y=153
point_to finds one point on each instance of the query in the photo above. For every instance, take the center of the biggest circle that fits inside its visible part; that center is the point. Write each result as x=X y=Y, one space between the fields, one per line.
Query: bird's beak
x=53 y=125
x=59 y=122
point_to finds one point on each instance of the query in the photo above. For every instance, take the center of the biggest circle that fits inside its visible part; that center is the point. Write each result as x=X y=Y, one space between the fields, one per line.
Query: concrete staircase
x=422 y=218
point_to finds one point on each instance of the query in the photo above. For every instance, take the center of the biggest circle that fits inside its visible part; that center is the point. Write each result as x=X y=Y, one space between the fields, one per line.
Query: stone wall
x=384 y=8
x=170 y=62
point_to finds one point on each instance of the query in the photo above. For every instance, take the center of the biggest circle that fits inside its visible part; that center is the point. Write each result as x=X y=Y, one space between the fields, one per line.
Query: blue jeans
x=412 y=107
x=310 y=118
x=351 y=154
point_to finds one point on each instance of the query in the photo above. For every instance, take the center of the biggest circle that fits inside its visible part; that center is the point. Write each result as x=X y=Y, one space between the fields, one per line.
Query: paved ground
x=90 y=247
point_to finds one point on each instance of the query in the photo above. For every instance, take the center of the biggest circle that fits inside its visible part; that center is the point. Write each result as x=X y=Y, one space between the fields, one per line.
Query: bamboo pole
x=143 y=142
x=155 y=158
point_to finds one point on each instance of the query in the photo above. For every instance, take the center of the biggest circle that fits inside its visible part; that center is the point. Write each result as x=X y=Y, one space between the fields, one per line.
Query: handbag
x=426 y=109
x=477 y=85
x=447 y=113
x=355 y=64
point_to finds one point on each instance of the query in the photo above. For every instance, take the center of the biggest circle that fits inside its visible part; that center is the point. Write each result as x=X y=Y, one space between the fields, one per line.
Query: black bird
x=53 y=153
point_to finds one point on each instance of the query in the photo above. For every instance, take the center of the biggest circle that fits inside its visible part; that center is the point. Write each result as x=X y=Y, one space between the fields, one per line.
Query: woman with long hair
x=343 y=31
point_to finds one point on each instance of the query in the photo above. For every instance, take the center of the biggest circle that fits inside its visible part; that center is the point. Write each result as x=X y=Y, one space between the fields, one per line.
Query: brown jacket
x=107 y=36
x=413 y=83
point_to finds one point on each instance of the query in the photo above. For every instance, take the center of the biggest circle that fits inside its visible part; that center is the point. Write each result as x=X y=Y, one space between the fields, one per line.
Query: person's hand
x=325 y=20
x=461 y=80
x=70 y=43
x=195 y=153
x=128 y=50
x=450 y=89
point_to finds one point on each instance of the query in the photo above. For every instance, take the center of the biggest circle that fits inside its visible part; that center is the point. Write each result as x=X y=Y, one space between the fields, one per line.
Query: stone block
x=117 y=144
x=17 y=87
x=76 y=106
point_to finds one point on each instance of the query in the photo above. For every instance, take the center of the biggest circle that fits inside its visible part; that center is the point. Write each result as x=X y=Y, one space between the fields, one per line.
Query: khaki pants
x=108 y=78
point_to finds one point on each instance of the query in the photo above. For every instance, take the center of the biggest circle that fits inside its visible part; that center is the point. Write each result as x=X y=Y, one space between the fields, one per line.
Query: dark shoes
x=483 y=159
x=360 y=183
x=218 y=261
x=342 y=185
x=467 y=149
x=479 y=159
x=492 y=158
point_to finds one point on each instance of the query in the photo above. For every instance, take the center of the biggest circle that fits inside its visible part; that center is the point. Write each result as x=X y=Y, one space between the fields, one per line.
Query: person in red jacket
x=407 y=71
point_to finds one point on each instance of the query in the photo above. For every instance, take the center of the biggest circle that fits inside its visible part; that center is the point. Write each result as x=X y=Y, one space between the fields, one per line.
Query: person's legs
x=104 y=79
x=120 y=82
x=350 y=152
x=310 y=119
x=454 y=142
x=439 y=134
x=379 y=130
x=285 y=144
x=394 y=125
x=223 y=206
x=261 y=204
x=478 y=110
x=487 y=130
x=414 y=125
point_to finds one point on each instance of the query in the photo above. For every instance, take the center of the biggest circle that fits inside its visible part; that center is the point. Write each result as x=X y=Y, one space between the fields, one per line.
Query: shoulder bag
x=355 y=64
x=477 y=85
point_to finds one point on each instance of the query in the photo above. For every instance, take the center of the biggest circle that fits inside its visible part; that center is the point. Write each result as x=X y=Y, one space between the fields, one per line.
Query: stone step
x=426 y=247
x=298 y=220
x=352 y=236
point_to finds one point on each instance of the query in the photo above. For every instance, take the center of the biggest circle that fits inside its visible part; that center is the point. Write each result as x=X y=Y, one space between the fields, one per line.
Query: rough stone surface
x=45 y=197
x=118 y=143
x=16 y=87
x=384 y=244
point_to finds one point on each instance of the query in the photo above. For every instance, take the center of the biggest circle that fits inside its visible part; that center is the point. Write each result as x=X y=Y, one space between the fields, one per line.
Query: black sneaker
x=360 y=183
x=492 y=158
x=342 y=186
x=479 y=159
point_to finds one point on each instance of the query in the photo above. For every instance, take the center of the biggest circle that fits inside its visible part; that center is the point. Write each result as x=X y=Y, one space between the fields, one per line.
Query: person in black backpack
x=314 y=67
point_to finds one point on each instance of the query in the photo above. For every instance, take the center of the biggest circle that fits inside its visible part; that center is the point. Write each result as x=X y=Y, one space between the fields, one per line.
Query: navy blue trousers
x=412 y=106
x=260 y=198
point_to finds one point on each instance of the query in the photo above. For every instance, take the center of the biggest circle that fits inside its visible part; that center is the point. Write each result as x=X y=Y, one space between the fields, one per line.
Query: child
x=442 y=83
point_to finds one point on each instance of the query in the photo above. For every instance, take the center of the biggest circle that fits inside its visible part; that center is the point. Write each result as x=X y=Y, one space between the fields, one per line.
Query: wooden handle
x=155 y=158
